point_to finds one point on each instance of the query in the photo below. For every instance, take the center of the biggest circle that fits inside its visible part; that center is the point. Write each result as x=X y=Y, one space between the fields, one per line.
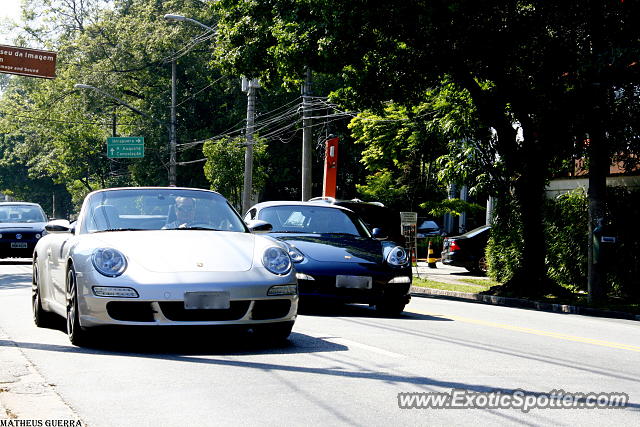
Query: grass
x=426 y=283
x=481 y=282
x=479 y=285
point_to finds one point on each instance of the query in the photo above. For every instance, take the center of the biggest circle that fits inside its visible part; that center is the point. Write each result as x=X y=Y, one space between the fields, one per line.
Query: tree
x=521 y=63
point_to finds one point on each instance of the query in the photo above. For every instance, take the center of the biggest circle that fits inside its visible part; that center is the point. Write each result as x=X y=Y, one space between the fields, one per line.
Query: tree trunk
x=598 y=171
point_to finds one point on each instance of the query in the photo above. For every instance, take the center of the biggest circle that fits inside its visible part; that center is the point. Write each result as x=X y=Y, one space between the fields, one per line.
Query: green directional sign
x=129 y=147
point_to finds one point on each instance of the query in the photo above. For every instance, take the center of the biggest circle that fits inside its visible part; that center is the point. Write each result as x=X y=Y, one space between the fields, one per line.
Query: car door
x=56 y=254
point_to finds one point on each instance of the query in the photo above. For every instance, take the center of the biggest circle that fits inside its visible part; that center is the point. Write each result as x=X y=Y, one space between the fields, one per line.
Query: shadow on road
x=192 y=340
x=333 y=309
x=15 y=261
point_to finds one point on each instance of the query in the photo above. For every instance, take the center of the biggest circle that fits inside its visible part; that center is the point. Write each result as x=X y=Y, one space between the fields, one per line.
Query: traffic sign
x=125 y=147
x=27 y=62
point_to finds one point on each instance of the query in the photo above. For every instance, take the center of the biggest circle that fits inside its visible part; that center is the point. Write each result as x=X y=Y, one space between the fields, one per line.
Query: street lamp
x=173 y=17
x=172 y=165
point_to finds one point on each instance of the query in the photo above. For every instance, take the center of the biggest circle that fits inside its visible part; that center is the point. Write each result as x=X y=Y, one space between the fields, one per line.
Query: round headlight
x=397 y=256
x=38 y=236
x=109 y=262
x=0 y=235
x=276 y=260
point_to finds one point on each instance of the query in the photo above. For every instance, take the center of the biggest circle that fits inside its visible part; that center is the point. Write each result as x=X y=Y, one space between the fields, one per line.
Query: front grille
x=175 y=311
x=130 y=311
x=270 y=309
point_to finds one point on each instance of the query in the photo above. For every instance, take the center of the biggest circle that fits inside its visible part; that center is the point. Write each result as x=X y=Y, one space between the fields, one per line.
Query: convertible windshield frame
x=140 y=209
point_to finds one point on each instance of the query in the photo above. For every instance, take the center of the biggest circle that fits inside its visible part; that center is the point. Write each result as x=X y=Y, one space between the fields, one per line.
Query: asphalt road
x=341 y=366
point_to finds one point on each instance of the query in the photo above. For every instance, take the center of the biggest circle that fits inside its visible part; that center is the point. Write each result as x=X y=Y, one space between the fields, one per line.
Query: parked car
x=428 y=228
x=161 y=256
x=21 y=226
x=336 y=256
x=467 y=250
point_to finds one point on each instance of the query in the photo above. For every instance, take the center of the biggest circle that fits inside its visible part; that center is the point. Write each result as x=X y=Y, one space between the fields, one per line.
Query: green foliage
x=623 y=257
x=455 y=207
x=383 y=187
x=224 y=167
x=504 y=250
x=566 y=241
x=566 y=227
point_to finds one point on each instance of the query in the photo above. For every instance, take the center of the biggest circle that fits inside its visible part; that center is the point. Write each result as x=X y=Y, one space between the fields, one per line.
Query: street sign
x=130 y=147
x=27 y=62
x=409 y=218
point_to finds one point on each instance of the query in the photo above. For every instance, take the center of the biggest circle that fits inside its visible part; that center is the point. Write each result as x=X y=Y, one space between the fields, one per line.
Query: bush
x=505 y=245
x=566 y=220
x=565 y=223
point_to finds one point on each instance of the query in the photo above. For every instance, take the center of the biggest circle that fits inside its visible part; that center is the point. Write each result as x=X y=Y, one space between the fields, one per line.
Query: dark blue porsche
x=336 y=256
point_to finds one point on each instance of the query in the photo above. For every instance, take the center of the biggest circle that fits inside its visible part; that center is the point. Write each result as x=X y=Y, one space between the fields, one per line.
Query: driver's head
x=185 y=209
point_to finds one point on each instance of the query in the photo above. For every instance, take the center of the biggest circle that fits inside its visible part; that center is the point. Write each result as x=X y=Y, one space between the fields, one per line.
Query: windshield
x=21 y=214
x=159 y=209
x=313 y=219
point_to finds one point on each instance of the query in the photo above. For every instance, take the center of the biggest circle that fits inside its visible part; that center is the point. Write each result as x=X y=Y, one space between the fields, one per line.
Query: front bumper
x=324 y=283
x=162 y=303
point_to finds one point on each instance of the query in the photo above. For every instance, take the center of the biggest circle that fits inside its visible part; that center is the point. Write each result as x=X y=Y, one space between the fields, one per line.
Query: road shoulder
x=24 y=392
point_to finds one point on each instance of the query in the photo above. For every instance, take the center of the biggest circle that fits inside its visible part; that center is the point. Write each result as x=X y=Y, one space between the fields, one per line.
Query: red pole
x=330 y=168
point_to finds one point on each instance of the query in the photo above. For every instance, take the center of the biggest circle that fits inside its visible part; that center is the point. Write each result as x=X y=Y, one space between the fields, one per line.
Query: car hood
x=166 y=251
x=327 y=248
x=21 y=226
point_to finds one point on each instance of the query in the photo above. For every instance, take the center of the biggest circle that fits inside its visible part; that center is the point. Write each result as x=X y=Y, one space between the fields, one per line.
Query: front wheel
x=41 y=318
x=391 y=307
x=273 y=332
x=76 y=333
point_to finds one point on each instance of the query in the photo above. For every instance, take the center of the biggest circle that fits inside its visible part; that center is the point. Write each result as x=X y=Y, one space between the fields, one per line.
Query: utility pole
x=249 y=86
x=172 y=132
x=306 y=137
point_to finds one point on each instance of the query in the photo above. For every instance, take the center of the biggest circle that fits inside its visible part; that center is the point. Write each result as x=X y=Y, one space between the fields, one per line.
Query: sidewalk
x=444 y=276
x=25 y=395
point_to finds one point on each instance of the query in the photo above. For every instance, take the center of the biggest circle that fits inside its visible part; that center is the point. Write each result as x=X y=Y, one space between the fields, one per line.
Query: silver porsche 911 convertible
x=161 y=256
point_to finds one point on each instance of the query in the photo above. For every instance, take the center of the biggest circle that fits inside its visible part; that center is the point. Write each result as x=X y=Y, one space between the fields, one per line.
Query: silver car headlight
x=397 y=256
x=109 y=262
x=276 y=260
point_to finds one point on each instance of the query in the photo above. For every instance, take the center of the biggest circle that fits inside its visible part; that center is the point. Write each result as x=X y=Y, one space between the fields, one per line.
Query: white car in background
x=132 y=258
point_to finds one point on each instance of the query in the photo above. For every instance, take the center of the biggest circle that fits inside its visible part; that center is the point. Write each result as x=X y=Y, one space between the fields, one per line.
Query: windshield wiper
x=195 y=228
x=120 y=229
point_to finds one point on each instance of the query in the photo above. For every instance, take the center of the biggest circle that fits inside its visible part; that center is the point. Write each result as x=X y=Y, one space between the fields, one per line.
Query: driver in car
x=185 y=212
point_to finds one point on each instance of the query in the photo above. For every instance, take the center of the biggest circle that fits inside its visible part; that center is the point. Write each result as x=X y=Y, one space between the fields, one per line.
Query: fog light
x=302 y=276
x=401 y=279
x=110 y=291
x=282 y=290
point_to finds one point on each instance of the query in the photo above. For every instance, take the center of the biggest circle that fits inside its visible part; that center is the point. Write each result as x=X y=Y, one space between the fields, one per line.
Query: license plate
x=355 y=282
x=206 y=300
x=19 y=245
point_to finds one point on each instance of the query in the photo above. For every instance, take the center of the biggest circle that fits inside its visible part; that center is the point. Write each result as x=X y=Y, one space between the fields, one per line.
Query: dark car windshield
x=156 y=209
x=21 y=214
x=313 y=219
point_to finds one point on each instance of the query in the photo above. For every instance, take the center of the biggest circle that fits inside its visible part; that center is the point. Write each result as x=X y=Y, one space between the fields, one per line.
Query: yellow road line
x=538 y=332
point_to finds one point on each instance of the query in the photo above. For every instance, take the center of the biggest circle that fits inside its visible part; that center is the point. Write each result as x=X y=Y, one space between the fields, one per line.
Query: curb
x=26 y=397
x=419 y=291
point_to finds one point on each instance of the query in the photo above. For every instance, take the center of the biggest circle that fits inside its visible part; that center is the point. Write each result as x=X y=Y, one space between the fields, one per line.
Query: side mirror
x=379 y=234
x=59 y=226
x=258 y=225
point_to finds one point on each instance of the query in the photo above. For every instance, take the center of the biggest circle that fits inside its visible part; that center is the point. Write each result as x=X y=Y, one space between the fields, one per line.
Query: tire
x=42 y=318
x=392 y=307
x=76 y=333
x=482 y=265
x=273 y=332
